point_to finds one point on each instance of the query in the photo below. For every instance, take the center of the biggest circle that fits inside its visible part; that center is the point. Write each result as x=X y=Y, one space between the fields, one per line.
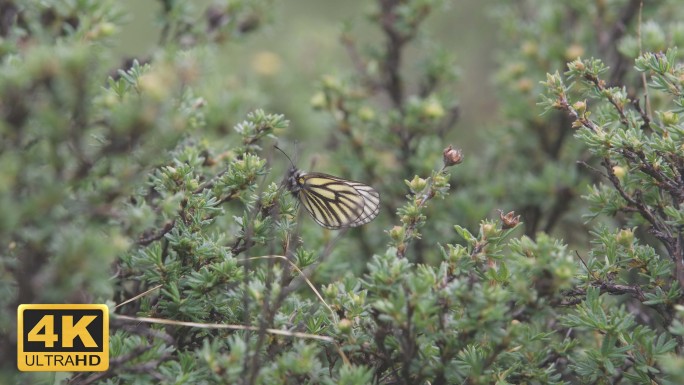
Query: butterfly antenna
x=288 y=158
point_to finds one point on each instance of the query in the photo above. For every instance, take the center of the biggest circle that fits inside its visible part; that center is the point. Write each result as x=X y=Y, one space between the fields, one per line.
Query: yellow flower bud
x=154 y=85
x=580 y=106
x=524 y=85
x=366 y=114
x=529 y=48
x=344 y=326
x=266 y=63
x=318 y=101
x=433 y=109
x=670 y=118
x=417 y=184
x=573 y=52
x=330 y=81
x=619 y=172
x=397 y=233
x=487 y=230
x=625 y=237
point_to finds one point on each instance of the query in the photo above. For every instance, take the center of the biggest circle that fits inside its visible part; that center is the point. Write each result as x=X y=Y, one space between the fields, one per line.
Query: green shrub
x=151 y=187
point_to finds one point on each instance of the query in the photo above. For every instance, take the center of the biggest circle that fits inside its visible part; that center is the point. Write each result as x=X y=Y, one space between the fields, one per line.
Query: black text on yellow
x=62 y=337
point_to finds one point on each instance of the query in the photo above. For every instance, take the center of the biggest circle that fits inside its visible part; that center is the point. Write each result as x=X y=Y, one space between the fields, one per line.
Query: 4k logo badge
x=63 y=338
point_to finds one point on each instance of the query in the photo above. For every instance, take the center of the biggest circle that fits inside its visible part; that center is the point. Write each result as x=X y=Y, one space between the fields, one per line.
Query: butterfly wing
x=371 y=200
x=336 y=203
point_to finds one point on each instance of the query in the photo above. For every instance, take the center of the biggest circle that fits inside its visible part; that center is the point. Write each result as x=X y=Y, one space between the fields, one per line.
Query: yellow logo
x=62 y=338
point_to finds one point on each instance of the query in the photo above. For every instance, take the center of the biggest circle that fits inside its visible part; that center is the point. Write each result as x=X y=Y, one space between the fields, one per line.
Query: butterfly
x=333 y=202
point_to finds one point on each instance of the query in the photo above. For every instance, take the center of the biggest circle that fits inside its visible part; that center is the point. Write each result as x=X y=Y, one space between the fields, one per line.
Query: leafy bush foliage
x=151 y=187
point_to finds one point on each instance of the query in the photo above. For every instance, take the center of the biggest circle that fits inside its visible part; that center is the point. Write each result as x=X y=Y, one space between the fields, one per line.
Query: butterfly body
x=333 y=202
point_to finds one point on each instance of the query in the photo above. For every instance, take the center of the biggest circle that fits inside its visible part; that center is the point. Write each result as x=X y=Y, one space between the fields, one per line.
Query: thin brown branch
x=646 y=125
x=146 y=240
x=649 y=169
x=563 y=198
x=619 y=63
x=393 y=52
x=604 y=287
x=601 y=87
x=660 y=230
x=564 y=105
x=679 y=260
x=359 y=64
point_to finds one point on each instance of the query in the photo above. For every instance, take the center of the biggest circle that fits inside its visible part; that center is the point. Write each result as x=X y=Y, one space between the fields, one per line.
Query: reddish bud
x=508 y=220
x=452 y=156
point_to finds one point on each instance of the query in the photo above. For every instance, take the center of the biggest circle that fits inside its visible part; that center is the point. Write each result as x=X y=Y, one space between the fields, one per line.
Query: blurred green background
x=287 y=74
